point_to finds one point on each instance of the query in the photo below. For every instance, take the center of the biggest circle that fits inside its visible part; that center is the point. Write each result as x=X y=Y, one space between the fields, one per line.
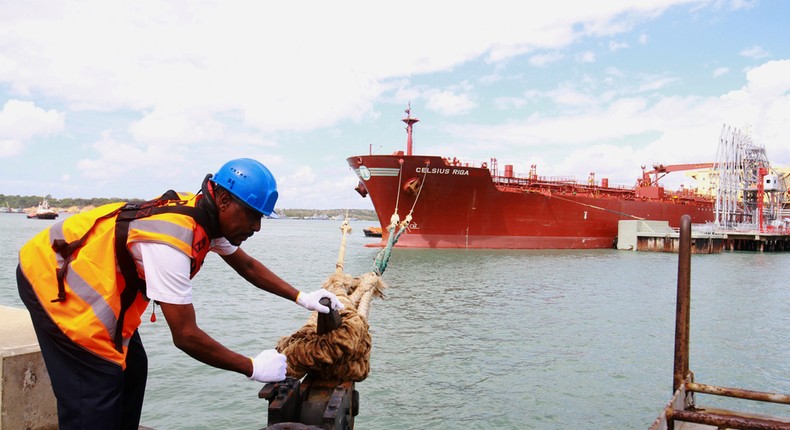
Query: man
x=87 y=280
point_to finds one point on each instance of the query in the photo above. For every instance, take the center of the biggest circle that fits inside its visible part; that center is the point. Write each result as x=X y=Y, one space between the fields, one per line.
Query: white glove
x=268 y=366
x=310 y=302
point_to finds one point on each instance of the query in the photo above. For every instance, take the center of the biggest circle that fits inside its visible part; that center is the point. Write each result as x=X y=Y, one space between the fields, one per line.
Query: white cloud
x=176 y=127
x=654 y=83
x=119 y=161
x=303 y=183
x=542 y=60
x=22 y=121
x=764 y=102
x=742 y=4
x=449 y=103
x=616 y=46
x=755 y=52
x=568 y=96
x=586 y=57
x=505 y=103
x=614 y=71
x=606 y=161
x=10 y=147
x=279 y=68
x=720 y=71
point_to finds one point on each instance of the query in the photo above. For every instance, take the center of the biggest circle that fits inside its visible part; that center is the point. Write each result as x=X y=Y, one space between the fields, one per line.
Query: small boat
x=372 y=231
x=43 y=211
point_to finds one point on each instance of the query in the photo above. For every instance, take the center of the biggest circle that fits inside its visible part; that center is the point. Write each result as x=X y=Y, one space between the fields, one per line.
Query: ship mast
x=409 y=126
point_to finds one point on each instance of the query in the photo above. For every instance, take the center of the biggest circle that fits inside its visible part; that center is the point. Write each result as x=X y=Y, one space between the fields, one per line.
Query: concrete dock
x=26 y=398
x=658 y=236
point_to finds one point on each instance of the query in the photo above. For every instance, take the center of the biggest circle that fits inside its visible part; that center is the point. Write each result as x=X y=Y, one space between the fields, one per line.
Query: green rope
x=383 y=257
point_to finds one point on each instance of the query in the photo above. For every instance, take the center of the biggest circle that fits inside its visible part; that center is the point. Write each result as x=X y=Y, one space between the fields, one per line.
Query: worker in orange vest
x=87 y=280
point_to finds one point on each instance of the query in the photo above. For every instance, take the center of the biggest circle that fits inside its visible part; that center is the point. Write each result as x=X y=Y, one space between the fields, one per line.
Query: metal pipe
x=683 y=305
x=738 y=393
x=729 y=421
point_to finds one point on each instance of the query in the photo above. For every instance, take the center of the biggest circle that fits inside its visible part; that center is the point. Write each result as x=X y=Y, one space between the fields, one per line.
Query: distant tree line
x=22 y=202
x=361 y=214
x=29 y=201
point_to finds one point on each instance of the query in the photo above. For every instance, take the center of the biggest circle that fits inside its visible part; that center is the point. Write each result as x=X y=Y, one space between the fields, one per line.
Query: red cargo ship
x=460 y=205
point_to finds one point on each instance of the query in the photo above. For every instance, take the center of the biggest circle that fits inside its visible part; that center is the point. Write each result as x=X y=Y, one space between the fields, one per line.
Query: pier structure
x=658 y=236
x=758 y=241
x=26 y=397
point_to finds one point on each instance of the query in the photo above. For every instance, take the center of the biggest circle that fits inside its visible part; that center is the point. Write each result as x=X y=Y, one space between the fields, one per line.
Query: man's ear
x=223 y=198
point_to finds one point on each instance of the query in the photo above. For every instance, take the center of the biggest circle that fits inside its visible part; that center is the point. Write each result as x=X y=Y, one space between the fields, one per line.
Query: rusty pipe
x=738 y=393
x=729 y=421
x=683 y=305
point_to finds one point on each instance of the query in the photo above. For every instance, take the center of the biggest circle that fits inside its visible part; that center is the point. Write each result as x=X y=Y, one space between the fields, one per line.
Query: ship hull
x=459 y=206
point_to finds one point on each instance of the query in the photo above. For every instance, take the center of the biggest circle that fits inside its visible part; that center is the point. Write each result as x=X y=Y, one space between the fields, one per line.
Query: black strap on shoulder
x=66 y=250
x=134 y=282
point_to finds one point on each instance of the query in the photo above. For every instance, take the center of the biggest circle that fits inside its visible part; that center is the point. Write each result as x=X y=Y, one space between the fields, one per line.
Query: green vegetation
x=24 y=202
x=361 y=214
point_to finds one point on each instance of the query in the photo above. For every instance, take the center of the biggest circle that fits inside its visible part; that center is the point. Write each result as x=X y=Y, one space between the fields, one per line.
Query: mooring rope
x=344 y=353
x=380 y=263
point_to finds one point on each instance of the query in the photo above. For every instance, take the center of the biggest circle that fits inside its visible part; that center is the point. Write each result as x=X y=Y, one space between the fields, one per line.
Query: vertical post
x=683 y=306
x=761 y=172
x=345 y=228
x=409 y=120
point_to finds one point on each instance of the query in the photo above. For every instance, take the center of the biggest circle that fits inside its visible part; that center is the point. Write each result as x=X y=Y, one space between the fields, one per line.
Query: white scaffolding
x=741 y=183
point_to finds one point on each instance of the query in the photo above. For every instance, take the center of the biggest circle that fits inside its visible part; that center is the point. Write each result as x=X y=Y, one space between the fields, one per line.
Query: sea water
x=481 y=339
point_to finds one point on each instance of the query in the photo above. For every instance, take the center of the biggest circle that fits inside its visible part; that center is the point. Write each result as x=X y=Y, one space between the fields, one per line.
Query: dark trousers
x=91 y=392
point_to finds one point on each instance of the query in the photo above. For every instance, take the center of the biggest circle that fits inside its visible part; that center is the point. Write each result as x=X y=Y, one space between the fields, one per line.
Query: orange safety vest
x=85 y=278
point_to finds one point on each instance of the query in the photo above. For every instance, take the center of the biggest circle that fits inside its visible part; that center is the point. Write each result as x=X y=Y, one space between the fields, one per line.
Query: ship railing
x=559 y=184
x=707 y=229
x=455 y=162
x=526 y=179
x=556 y=180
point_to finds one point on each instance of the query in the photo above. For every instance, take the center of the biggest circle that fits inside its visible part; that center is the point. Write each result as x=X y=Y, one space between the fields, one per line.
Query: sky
x=130 y=99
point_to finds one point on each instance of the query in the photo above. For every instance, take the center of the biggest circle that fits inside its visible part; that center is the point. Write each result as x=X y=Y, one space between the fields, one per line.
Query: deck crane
x=647 y=181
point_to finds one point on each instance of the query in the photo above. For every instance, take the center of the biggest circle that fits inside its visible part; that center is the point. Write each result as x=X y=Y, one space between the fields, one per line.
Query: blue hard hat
x=250 y=181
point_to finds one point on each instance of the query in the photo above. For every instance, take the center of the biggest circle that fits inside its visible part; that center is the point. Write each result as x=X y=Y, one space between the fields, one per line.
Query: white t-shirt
x=166 y=269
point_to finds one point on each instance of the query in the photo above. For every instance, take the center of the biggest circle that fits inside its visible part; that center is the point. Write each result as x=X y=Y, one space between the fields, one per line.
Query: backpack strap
x=132 y=279
x=66 y=250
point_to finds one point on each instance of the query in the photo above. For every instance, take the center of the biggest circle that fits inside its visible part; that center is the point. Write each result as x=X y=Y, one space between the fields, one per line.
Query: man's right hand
x=268 y=366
